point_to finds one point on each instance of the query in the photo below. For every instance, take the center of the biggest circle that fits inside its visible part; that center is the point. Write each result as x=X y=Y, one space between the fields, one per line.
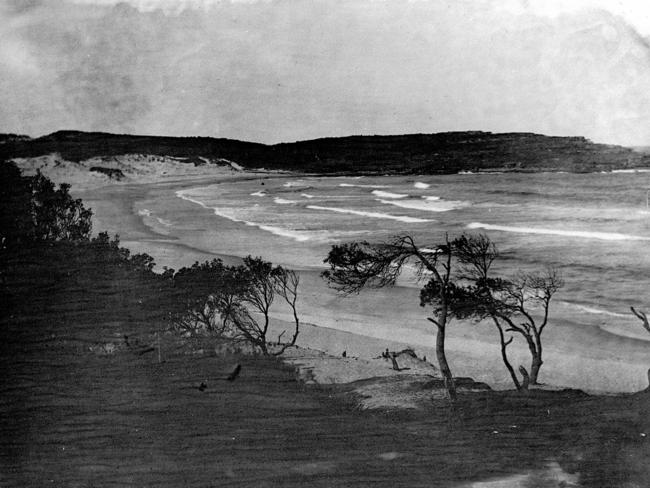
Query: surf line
x=376 y=215
x=604 y=236
x=296 y=235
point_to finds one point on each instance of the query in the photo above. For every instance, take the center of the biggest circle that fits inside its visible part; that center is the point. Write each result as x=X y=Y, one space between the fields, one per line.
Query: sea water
x=595 y=228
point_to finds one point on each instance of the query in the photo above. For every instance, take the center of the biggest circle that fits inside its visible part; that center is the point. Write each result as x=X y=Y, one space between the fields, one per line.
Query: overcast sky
x=273 y=71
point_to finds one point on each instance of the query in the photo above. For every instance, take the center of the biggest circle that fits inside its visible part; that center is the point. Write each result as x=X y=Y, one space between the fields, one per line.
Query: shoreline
x=471 y=352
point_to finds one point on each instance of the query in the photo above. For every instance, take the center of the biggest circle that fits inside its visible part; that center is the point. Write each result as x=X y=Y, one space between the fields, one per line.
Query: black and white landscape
x=215 y=272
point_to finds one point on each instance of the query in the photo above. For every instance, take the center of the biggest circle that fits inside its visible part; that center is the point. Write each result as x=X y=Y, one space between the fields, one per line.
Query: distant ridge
x=446 y=152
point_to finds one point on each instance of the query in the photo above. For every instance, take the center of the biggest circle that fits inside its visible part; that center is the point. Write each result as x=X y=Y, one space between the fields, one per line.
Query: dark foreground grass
x=73 y=417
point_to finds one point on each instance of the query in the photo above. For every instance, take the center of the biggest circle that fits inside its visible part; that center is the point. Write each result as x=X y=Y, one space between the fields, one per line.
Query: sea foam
x=421 y=186
x=296 y=235
x=363 y=186
x=597 y=311
x=426 y=205
x=283 y=201
x=259 y=194
x=387 y=194
x=376 y=215
x=605 y=236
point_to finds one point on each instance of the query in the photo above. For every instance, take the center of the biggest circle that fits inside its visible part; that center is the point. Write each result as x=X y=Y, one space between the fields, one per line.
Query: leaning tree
x=511 y=303
x=354 y=266
x=520 y=296
x=247 y=313
x=476 y=254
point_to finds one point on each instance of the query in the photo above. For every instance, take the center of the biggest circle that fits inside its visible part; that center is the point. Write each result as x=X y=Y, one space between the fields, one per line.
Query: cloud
x=284 y=70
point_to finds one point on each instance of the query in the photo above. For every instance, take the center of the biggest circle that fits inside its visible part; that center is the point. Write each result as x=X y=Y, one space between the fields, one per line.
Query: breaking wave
x=387 y=194
x=259 y=194
x=598 y=311
x=426 y=205
x=376 y=215
x=421 y=186
x=296 y=235
x=283 y=201
x=605 y=236
x=363 y=186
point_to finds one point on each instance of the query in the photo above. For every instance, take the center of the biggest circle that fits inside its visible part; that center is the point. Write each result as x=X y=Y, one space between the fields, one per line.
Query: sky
x=285 y=70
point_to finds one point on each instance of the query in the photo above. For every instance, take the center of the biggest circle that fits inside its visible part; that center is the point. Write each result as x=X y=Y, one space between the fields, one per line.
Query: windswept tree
x=518 y=305
x=248 y=314
x=457 y=284
x=354 y=266
x=476 y=254
x=235 y=302
x=521 y=297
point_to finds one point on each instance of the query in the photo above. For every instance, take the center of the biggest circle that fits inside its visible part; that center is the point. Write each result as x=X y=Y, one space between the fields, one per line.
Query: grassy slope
x=415 y=153
x=82 y=419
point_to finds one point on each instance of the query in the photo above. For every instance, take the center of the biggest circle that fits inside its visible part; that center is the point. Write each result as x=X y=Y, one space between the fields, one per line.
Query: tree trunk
x=535 y=366
x=442 y=363
x=526 y=380
x=504 y=354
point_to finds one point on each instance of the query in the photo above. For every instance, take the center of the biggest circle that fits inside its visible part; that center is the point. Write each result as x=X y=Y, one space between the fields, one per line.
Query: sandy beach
x=574 y=357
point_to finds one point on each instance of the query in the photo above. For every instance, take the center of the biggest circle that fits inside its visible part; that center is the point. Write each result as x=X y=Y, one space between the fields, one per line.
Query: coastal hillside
x=448 y=152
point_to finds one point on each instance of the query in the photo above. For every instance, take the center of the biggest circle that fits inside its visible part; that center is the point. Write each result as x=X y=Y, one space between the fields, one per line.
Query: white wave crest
x=605 y=236
x=259 y=194
x=363 y=186
x=387 y=194
x=421 y=186
x=283 y=201
x=598 y=311
x=144 y=212
x=297 y=235
x=376 y=215
x=306 y=195
x=431 y=198
x=427 y=205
